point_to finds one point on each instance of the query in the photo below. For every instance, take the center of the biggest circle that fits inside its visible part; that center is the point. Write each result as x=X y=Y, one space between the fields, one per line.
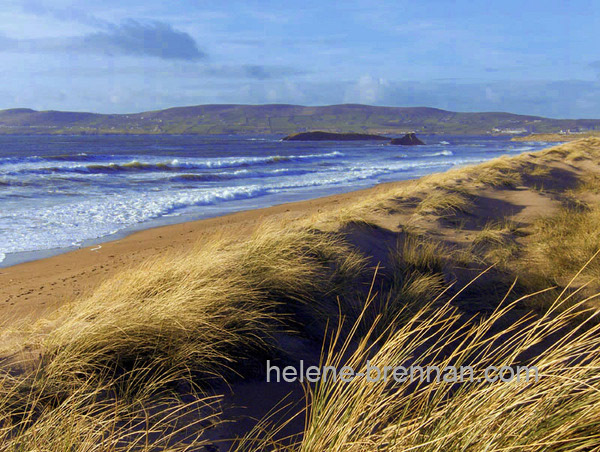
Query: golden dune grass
x=206 y=316
x=108 y=360
x=564 y=242
x=444 y=203
x=559 y=412
x=207 y=313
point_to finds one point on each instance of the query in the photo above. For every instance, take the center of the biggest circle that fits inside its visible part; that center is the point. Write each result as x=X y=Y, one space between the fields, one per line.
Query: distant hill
x=284 y=120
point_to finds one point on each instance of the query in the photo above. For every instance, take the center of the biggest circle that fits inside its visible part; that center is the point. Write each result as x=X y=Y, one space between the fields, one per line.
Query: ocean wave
x=175 y=165
x=135 y=165
x=239 y=174
x=200 y=177
x=523 y=149
x=17 y=160
x=172 y=165
x=439 y=154
x=444 y=142
x=80 y=157
x=61 y=225
x=33 y=164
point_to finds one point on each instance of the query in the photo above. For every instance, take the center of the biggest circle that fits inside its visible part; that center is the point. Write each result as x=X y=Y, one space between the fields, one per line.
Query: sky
x=120 y=56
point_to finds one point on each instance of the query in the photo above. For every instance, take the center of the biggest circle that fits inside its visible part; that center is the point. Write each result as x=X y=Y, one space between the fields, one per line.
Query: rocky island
x=332 y=136
x=410 y=139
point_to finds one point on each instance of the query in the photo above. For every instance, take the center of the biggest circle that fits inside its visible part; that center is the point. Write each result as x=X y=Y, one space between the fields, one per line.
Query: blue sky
x=531 y=57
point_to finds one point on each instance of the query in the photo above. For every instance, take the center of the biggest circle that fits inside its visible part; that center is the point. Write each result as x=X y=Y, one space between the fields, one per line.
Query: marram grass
x=108 y=369
x=559 y=412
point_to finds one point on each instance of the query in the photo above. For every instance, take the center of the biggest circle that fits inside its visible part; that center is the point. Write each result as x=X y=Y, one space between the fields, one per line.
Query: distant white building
x=509 y=131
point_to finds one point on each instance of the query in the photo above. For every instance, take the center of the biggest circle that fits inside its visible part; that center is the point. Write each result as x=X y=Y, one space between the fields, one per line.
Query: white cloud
x=367 y=90
x=131 y=37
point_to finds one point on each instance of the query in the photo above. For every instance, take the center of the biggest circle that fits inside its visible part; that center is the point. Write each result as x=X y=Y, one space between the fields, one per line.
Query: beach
x=196 y=309
x=104 y=204
x=32 y=289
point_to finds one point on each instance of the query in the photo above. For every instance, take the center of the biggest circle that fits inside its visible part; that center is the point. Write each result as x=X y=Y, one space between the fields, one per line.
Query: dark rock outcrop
x=331 y=136
x=410 y=139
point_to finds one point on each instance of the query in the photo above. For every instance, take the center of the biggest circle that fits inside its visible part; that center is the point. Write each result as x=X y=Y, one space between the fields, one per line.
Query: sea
x=59 y=193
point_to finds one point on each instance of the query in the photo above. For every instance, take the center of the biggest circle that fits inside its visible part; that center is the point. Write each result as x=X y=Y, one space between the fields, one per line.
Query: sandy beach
x=34 y=288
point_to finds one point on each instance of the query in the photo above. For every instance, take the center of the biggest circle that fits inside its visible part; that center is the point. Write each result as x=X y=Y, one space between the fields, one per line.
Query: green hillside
x=283 y=119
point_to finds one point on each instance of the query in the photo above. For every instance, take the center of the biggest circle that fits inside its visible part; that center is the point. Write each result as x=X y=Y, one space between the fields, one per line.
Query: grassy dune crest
x=208 y=315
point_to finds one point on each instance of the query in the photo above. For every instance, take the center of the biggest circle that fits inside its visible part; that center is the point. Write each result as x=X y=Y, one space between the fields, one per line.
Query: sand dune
x=195 y=310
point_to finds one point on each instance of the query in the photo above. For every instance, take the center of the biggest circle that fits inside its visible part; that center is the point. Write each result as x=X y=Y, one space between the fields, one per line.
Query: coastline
x=31 y=289
x=553 y=137
x=213 y=280
x=11 y=259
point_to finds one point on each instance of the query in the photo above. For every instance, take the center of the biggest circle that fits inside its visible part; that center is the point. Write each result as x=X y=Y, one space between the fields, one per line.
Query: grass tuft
x=444 y=203
x=564 y=242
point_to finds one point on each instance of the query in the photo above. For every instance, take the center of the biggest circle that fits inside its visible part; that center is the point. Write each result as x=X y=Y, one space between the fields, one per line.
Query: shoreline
x=22 y=247
x=34 y=288
x=8 y=260
x=553 y=138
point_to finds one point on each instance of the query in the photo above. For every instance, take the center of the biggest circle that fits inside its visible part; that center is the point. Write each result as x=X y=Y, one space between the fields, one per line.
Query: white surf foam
x=438 y=154
x=67 y=223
